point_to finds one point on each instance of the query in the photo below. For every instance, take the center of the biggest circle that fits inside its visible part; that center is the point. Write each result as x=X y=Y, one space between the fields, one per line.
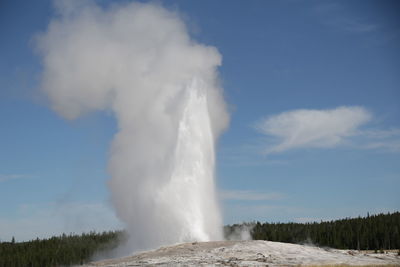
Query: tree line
x=64 y=250
x=376 y=232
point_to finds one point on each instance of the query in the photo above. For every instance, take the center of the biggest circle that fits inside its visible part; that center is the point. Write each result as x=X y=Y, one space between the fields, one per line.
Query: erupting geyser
x=139 y=61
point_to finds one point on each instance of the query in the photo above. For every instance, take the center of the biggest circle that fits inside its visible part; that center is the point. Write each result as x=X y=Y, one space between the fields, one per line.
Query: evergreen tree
x=374 y=232
x=56 y=251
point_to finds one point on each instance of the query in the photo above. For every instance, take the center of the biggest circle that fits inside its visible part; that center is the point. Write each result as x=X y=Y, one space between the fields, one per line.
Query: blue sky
x=328 y=71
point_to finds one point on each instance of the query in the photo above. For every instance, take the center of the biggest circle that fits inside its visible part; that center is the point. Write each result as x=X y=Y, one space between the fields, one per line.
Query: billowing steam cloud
x=139 y=61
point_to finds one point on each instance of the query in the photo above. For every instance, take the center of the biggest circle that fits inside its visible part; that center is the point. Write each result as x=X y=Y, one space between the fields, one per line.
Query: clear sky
x=313 y=89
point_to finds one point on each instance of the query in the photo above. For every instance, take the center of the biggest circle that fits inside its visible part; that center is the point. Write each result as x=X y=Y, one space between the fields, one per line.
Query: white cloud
x=8 y=177
x=248 y=195
x=386 y=140
x=387 y=145
x=305 y=128
x=381 y=134
x=354 y=25
x=335 y=15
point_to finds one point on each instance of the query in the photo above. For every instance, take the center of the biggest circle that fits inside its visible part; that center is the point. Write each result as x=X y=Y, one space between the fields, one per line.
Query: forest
x=64 y=250
x=375 y=232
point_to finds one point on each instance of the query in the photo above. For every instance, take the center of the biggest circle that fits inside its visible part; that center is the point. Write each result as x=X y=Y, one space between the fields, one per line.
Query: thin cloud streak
x=334 y=15
x=388 y=146
x=9 y=177
x=247 y=195
x=381 y=134
x=354 y=25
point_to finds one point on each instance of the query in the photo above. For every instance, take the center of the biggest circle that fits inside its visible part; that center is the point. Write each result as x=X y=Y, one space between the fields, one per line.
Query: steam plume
x=139 y=61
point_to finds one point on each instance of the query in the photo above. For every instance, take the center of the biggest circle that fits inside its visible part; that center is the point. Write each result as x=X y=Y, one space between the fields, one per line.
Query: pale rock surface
x=249 y=253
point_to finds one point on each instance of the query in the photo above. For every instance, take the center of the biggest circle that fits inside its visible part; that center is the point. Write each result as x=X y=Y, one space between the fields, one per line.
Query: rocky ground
x=250 y=253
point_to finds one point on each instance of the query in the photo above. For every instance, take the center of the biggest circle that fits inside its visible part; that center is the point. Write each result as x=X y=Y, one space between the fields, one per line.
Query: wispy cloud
x=391 y=146
x=247 y=195
x=306 y=128
x=381 y=134
x=8 y=177
x=353 y=25
x=247 y=155
x=325 y=7
x=335 y=15
x=329 y=128
x=385 y=140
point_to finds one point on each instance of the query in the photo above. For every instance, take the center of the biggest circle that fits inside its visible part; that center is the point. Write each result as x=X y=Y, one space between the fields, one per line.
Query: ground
x=250 y=253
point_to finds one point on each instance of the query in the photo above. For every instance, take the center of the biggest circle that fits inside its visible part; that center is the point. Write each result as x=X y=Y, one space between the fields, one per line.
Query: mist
x=139 y=62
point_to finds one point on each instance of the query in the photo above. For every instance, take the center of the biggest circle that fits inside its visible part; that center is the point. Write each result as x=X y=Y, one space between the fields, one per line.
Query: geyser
x=139 y=61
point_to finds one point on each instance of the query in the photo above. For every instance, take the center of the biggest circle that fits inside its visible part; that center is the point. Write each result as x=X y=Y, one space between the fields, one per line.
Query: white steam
x=139 y=61
x=239 y=231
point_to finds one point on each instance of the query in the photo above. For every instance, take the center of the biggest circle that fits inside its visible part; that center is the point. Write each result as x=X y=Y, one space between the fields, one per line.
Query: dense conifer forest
x=374 y=232
x=63 y=250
